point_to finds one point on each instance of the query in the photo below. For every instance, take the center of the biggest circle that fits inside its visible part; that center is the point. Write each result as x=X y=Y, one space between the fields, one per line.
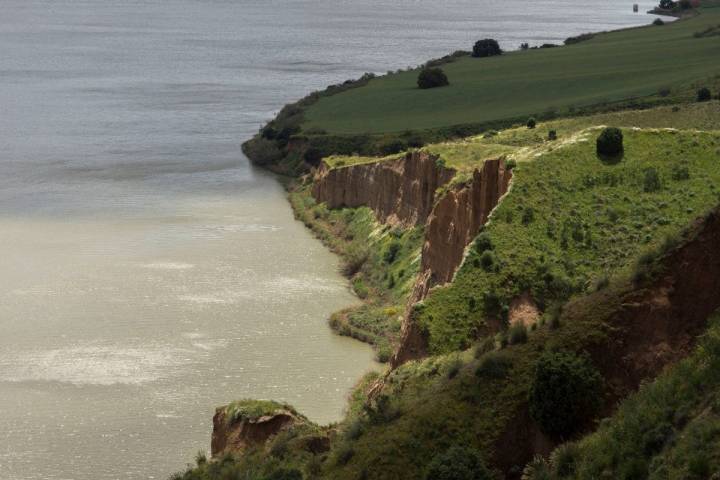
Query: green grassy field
x=610 y=67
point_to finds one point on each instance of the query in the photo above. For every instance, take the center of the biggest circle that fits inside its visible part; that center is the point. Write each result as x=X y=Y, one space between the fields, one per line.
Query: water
x=148 y=272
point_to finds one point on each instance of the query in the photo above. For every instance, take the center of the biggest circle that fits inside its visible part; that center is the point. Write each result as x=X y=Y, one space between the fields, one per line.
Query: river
x=148 y=272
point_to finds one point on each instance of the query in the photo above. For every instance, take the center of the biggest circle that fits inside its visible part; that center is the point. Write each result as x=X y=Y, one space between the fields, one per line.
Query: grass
x=381 y=262
x=610 y=67
x=250 y=409
x=570 y=220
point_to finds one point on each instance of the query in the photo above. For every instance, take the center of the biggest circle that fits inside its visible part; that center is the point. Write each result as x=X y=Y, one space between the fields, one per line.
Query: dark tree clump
x=458 y=463
x=313 y=156
x=486 y=48
x=531 y=123
x=610 y=142
x=565 y=393
x=703 y=95
x=432 y=78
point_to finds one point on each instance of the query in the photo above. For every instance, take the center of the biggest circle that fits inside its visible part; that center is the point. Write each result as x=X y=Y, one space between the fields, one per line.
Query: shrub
x=610 y=142
x=486 y=48
x=354 y=261
x=563 y=460
x=651 y=181
x=488 y=261
x=391 y=146
x=531 y=123
x=517 y=334
x=458 y=463
x=658 y=22
x=286 y=474
x=510 y=164
x=703 y=95
x=565 y=393
x=313 y=156
x=432 y=78
x=602 y=283
x=552 y=135
x=536 y=469
x=494 y=365
x=528 y=216
x=483 y=243
x=392 y=251
x=667 y=4
x=680 y=172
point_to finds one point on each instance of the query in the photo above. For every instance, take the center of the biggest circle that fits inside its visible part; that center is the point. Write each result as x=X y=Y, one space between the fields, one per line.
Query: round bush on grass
x=486 y=48
x=610 y=142
x=704 y=95
x=565 y=393
x=432 y=78
x=531 y=123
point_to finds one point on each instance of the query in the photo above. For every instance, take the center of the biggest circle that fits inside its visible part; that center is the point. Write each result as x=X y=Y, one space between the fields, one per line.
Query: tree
x=458 y=463
x=610 y=142
x=667 y=4
x=565 y=393
x=531 y=123
x=704 y=95
x=486 y=48
x=552 y=135
x=432 y=78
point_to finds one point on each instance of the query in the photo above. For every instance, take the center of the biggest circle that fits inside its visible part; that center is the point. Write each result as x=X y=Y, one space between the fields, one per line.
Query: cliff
x=405 y=191
x=453 y=224
x=399 y=191
x=237 y=428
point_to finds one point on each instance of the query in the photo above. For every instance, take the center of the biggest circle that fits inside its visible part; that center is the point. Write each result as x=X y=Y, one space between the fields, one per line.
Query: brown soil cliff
x=453 y=224
x=400 y=191
x=246 y=433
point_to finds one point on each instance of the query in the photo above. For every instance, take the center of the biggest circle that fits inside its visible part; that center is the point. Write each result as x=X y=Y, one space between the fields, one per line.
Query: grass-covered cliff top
x=633 y=63
x=570 y=220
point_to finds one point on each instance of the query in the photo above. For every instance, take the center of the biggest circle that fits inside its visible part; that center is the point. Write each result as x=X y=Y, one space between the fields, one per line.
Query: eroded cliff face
x=244 y=433
x=400 y=191
x=453 y=223
x=404 y=191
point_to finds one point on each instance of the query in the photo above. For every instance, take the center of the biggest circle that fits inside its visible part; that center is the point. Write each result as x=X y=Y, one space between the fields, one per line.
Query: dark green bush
x=392 y=251
x=610 y=142
x=565 y=393
x=651 y=181
x=391 y=146
x=528 y=216
x=458 y=463
x=658 y=22
x=486 y=48
x=285 y=474
x=432 y=78
x=313 y=156
x=552 y=135
x=494 y=365
x=488 y=261
x=703 y=95
x=483 y=243
x=680 y=172
x=517 y=334
x=531 y=123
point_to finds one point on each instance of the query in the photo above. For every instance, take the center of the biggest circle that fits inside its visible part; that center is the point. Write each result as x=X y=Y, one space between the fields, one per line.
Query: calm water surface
x=148 y=272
